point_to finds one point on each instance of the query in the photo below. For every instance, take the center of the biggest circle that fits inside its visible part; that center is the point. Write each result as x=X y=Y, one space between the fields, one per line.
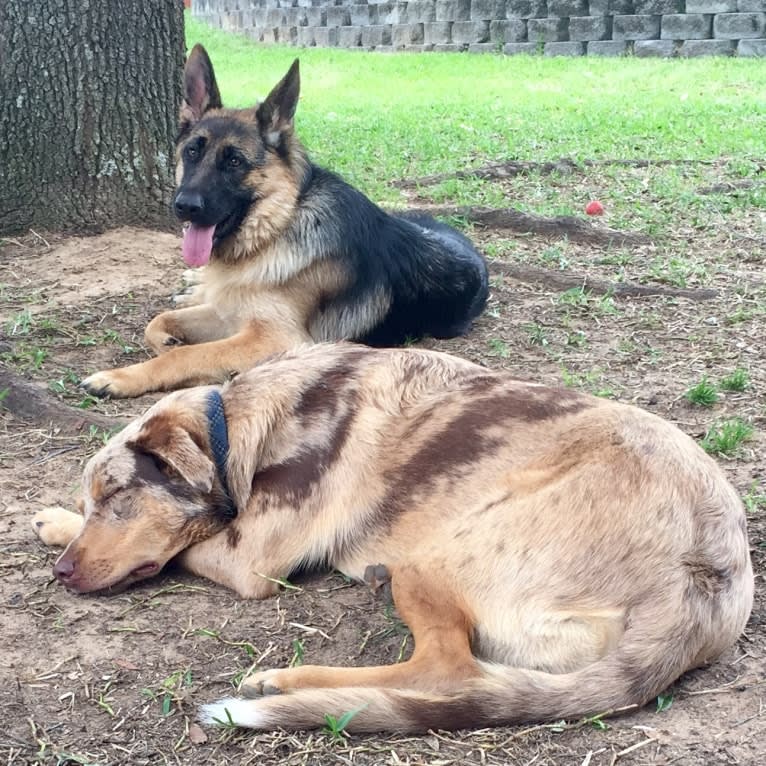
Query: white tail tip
x=232 y=711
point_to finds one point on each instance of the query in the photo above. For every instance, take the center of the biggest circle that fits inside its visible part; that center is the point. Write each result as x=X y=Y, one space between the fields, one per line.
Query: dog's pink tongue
x=197 y=245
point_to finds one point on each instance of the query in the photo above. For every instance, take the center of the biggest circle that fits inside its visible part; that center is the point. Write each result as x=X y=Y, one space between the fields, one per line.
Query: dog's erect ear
x=200 y=88
x=163 y=438
x=275 y=115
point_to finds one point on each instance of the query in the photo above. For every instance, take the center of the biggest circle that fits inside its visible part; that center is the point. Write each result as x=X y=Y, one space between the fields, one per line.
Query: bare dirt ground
x=86 y=680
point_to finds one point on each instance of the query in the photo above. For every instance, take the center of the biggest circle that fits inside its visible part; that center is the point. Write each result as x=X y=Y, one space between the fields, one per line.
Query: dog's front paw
x=191 y=294
x=117 y=384
x=192 y=277
x=56 y=526
x=185 y=298
x=262 y=684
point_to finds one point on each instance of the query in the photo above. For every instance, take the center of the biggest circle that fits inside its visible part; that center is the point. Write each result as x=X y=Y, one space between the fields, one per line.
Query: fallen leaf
x=126 y=665
x=196 y=735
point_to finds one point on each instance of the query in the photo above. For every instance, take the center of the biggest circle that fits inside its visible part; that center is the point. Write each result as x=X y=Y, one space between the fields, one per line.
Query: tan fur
x=553 y=554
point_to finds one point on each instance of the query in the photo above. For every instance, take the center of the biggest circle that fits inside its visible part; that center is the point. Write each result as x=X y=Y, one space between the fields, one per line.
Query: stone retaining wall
x=552 y=27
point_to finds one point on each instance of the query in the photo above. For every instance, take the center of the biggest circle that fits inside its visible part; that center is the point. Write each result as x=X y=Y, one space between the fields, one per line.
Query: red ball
x=594 y=207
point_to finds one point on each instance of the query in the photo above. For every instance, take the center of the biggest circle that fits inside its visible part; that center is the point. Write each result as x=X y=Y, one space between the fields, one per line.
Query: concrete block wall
x=551 y=27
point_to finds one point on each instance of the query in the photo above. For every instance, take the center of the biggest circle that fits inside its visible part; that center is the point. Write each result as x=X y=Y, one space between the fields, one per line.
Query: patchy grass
x=704 y=393
x=755 y=498
x=737 y=381
x=536 y=334
x=727 y=437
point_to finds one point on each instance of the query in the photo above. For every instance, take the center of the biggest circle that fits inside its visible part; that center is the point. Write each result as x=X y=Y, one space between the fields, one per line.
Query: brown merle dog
x=292 y=253
x=554 y=554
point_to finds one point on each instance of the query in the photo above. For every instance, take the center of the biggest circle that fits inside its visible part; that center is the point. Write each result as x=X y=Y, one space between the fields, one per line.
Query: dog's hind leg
x=442 y=658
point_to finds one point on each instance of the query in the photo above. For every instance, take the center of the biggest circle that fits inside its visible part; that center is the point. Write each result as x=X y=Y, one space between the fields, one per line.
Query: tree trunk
x=89 y=98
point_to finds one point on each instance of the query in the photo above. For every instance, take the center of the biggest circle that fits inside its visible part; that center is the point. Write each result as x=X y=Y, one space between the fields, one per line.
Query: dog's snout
x=188 y=204
x=64 y=568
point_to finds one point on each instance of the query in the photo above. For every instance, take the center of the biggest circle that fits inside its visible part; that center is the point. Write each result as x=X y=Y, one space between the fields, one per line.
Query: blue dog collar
x=218 y=434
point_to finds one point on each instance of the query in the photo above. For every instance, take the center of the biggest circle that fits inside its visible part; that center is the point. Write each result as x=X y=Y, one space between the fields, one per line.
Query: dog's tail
x=501 y=696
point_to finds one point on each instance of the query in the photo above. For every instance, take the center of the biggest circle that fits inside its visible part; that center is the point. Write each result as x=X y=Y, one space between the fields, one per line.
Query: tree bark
x=89 y=98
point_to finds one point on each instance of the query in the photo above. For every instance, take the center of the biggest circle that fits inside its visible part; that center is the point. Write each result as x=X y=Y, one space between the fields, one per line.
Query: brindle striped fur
x=554 y=554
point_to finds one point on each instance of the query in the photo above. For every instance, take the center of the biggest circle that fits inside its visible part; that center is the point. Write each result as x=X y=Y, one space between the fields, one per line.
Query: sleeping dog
x=553 y=554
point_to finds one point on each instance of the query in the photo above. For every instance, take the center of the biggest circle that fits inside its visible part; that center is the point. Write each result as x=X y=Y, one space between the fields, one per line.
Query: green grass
x=755 y=499
x=26 y=357
x=583 y=301
x=298 y=653
x=664 y=702
x=499 y=347
x=736 y=381
x=726 y=438
x=593 y=381
x=336 y=727
x=379 y=117
x=704 y=393
x=536 y=334
x=20 y=324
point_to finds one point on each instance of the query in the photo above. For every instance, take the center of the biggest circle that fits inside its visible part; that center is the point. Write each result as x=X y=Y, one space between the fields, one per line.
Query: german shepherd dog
x=292 y=254
x=554 y=554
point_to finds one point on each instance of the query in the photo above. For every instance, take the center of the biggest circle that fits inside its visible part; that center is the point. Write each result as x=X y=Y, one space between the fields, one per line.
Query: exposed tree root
x=573 y=228
x=727 y=187
x=563 y=166
x=33 y=404
x=563 y=280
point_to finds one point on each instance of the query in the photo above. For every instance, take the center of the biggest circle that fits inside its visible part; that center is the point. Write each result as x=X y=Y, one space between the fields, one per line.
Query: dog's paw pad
x=114 y=384
x=56 y=526
x=262 y=684
x=98 y=384
x=171 y=341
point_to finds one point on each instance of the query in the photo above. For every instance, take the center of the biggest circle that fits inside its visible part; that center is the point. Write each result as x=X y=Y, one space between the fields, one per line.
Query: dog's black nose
x=188 y=205
x=63 y=569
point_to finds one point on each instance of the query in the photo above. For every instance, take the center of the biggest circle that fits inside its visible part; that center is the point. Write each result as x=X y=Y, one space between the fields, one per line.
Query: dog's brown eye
x=235 y=162
x=191 y=153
